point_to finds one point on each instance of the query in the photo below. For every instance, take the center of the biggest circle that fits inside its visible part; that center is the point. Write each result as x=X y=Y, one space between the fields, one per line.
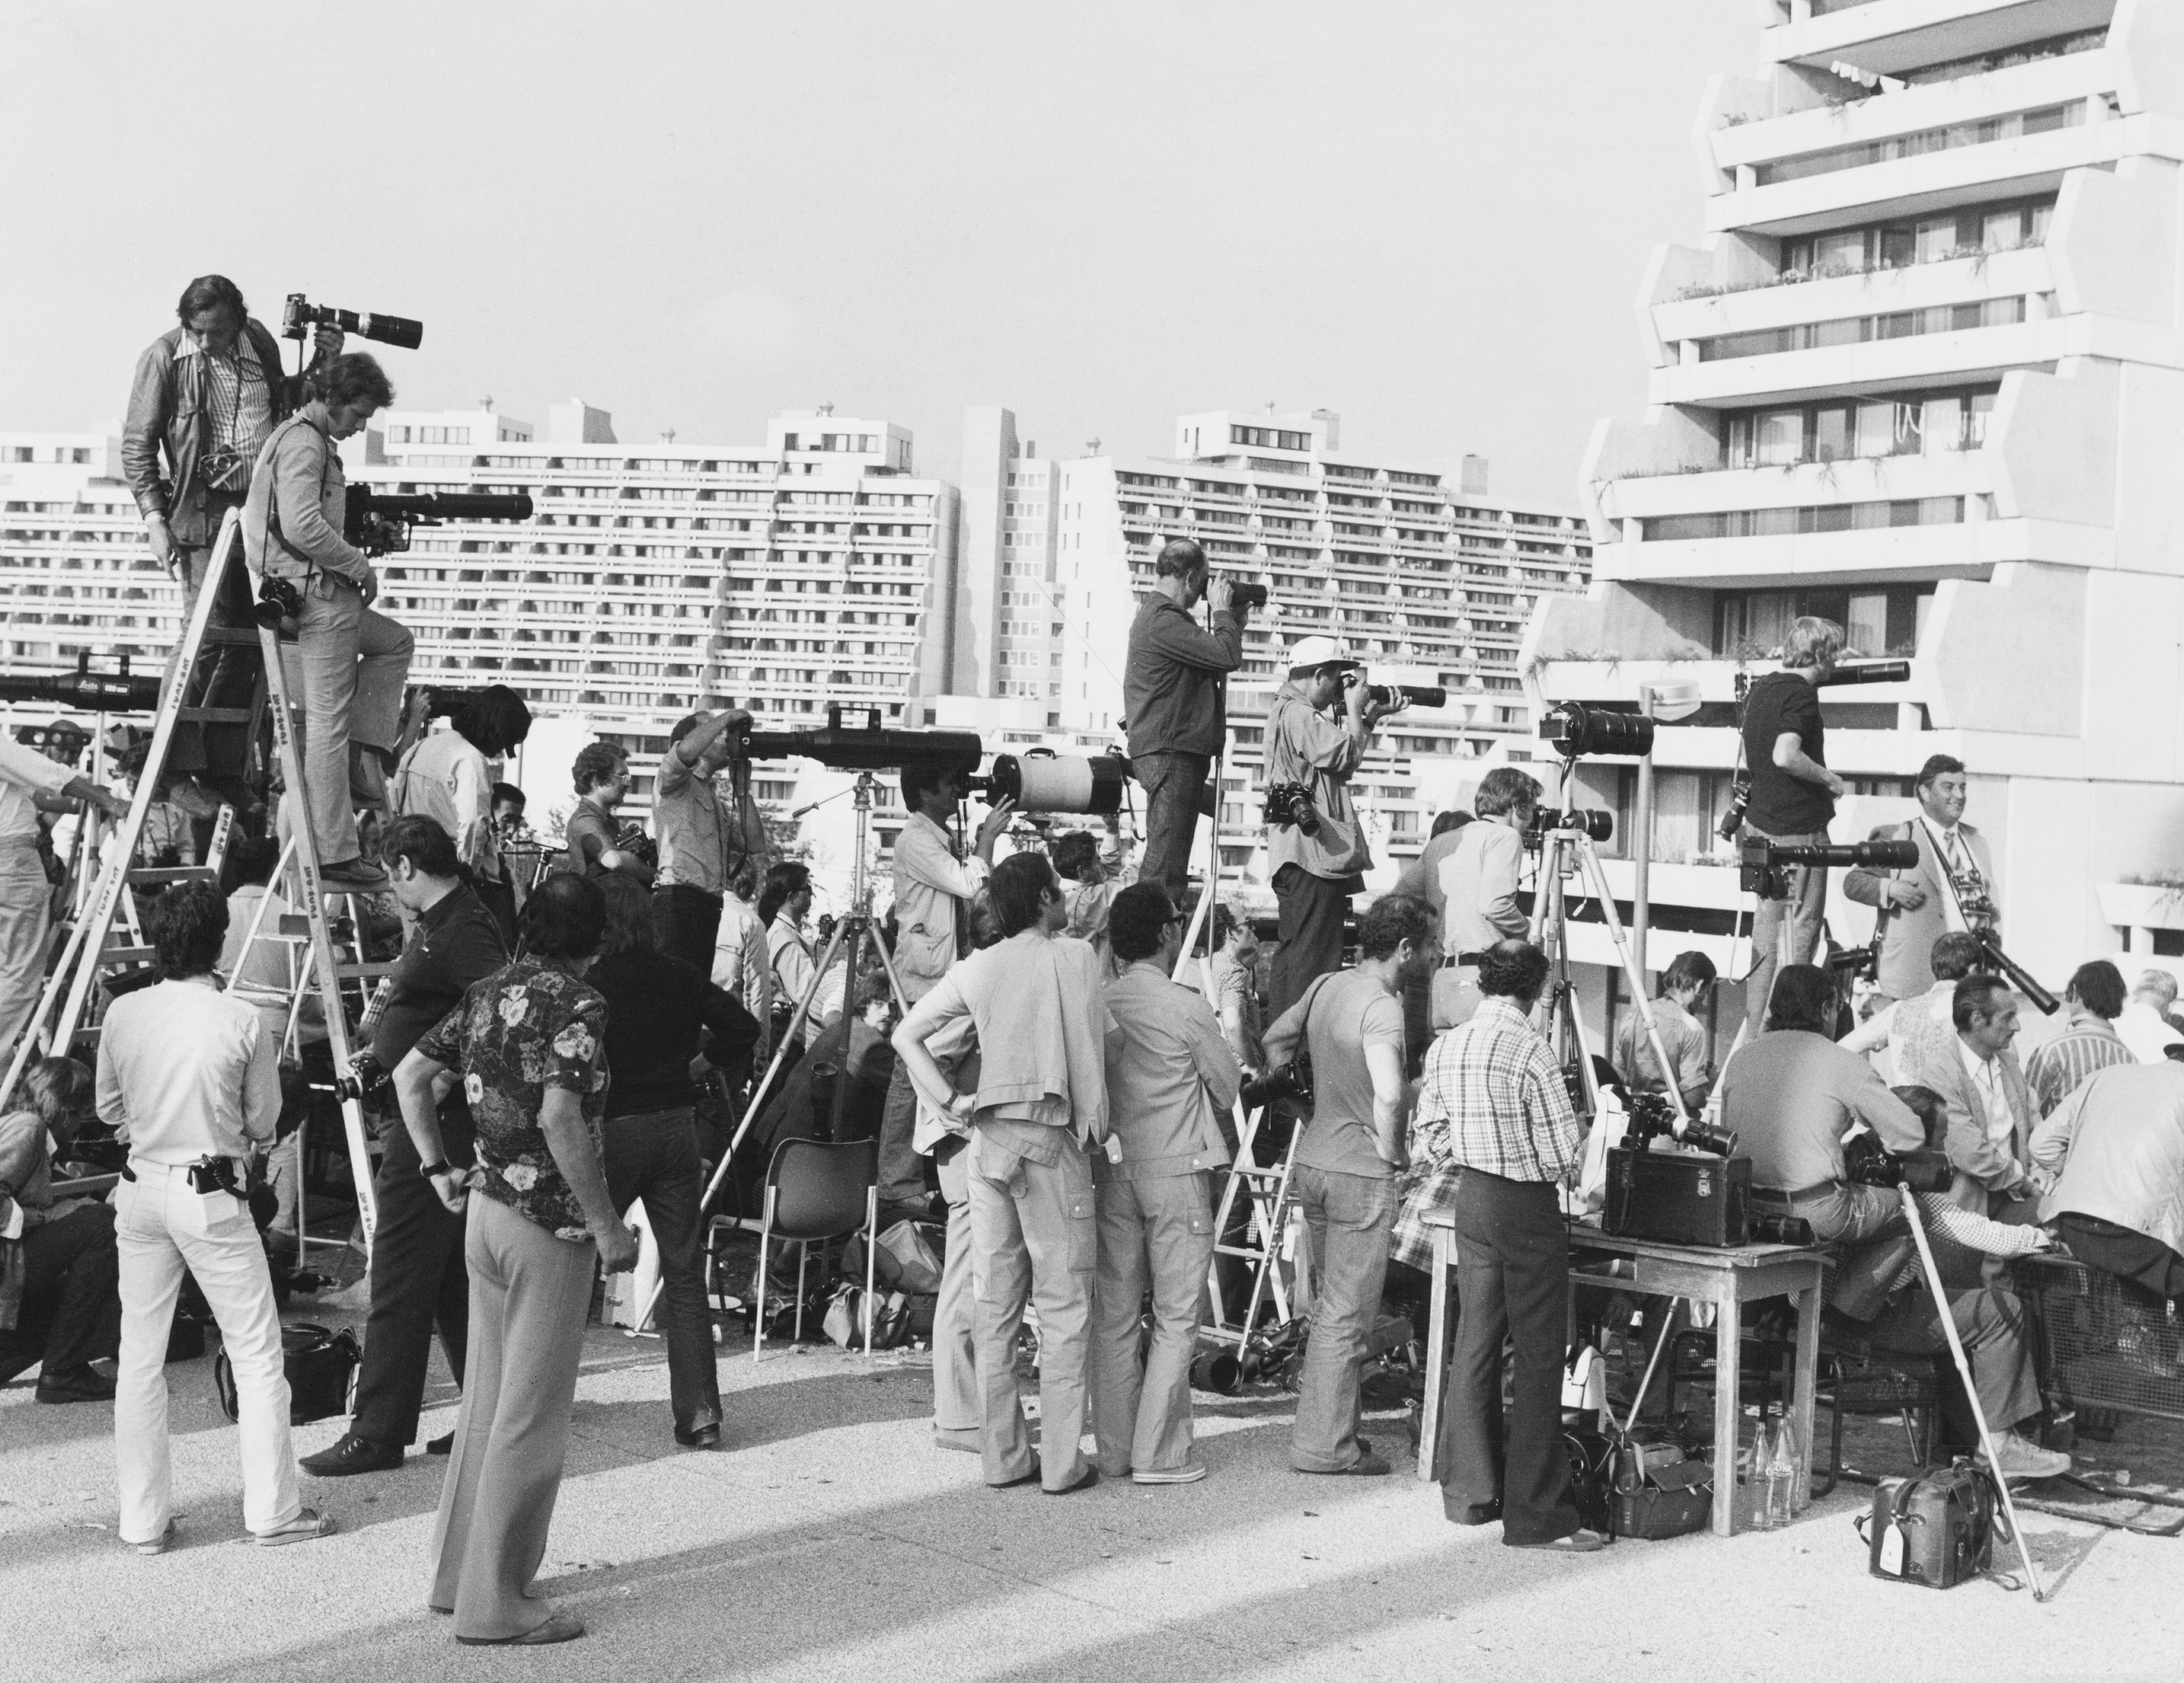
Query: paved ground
x=829 y=1540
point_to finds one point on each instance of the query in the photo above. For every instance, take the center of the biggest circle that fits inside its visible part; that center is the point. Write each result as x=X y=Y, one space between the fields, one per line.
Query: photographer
x=704 y=835
x=68 y=1312
x=1171 y=696
x=1468 y=874
x=1792 y=799
x=1170 y=1076
x=25 y=896
x=418 y=1279
x=1684 y=985
x=932 y=892
x=1949 y=890
x=445 y=776
x=596 y=843
x=1791 y=1095
x=1345 y=1166
x=187 y=1077
x=1315 y=875
x=353 y=662
x=782 y=908
x=206 y=395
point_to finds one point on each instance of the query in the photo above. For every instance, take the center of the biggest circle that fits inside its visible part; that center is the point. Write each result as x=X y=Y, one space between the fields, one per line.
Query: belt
x=1777 y=1194
x=1463 y=960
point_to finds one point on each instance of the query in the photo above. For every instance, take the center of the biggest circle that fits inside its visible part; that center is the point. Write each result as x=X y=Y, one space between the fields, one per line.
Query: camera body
x=278 y=605
x=1867 y=1162
x=299 y=316
x=632 y=838
x=1740 y=799
x=1289 y=804
x=1288 y=1083
x=217 y=1175
x=367 y=1077
x=1589 y=822
x=1653 y=1117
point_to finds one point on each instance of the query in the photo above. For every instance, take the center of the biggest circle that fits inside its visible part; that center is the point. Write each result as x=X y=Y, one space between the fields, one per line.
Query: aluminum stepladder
x=1269 y=1191
x=89 y=953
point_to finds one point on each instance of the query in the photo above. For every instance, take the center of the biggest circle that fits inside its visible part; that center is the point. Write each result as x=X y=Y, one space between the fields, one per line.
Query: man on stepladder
x=353 y=662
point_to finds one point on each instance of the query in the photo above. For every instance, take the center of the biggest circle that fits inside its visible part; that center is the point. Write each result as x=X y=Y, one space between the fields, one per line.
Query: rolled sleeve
x=575 y=1046
x=23 y=765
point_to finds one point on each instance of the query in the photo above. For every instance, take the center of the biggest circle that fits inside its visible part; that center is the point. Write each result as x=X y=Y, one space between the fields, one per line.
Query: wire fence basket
x=2103 y=1343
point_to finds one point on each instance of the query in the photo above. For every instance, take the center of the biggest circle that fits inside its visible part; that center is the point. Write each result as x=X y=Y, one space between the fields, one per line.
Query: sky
x=1432 y=218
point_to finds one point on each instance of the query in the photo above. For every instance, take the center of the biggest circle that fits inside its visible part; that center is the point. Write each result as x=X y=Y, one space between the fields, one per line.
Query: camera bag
x=1659 y=1493
x=1677 y=1197
x=1936 y=1528
x=321 y=1369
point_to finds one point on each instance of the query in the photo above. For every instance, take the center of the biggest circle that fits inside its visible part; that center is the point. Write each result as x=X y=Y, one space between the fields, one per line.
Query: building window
x=1908 y=324
x=1803 y=521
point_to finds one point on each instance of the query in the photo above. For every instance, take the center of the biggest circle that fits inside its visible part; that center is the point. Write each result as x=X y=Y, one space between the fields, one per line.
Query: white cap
x=1310 y=652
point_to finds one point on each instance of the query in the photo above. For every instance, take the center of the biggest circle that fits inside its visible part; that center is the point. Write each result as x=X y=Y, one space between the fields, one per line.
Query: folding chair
x=818 y=1192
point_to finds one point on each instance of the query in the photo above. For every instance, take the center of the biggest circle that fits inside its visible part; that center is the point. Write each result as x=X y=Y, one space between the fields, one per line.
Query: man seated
x=2088 y=1043
x=2144 y=1022
x=1684 y=985
x=1916 y=1031
x=1991 y=1108
x=1791 y=1095
x=2116 y=1147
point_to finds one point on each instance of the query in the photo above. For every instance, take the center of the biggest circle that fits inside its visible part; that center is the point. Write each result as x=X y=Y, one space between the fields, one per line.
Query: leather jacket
x=167 y=409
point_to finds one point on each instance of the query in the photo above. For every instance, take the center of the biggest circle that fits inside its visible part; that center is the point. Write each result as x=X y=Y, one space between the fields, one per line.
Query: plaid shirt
x=1492 y=1100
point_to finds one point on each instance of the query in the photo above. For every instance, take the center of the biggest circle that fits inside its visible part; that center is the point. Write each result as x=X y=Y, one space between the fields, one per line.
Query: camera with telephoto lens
x=1868 y=1162
x=1247 y=595
x=1289 y=804
x=299 y=315
x=1410 y=694
x=633 y=839
x=1290 y=1082
x=367 y=1077
x=1763 y=862
x=1588 y=821
x=1653 y=1117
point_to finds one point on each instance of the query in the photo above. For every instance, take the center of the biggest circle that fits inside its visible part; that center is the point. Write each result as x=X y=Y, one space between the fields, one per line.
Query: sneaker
x=1189 y=1473
x=2017 y=1458
x=353 y=873
x=306 y=1526
x=353 y=1455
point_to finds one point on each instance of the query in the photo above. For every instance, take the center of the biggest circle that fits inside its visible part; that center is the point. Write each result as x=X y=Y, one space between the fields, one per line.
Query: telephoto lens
x=1576 y=729
x=1247 y=595
x=1416 y=695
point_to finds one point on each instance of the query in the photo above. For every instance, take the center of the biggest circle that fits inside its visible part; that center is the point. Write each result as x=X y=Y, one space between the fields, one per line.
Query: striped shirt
x=1495 y=1086
x=241 y=401
x=2061 y=1066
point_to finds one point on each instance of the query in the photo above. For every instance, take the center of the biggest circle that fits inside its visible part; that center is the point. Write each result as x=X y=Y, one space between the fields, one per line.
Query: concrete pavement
x=829 y=1539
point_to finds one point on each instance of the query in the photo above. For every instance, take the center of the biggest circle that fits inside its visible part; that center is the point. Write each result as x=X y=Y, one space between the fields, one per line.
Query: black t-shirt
x=1782 y=805
x=656 y=1006
x=454 y=945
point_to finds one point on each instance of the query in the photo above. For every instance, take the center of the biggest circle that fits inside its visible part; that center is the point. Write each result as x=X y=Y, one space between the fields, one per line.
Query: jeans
x=1513 y=1284
x=1349 y=1217
x=1174 y=784
x=350 y=665
x=163 y=1227
x=1032 y=1240
x=1154 y=1236
x=71 y=1313
x=1314 y=910
x=1785 y=931
x=653 y=1155
x=686 y=920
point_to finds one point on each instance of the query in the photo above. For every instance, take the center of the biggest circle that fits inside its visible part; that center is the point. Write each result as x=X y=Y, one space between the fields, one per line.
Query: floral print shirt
x=525 y=1029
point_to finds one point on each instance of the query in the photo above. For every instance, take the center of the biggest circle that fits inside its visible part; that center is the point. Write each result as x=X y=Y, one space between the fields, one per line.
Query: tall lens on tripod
x=1576 y=729
x=1868 y=671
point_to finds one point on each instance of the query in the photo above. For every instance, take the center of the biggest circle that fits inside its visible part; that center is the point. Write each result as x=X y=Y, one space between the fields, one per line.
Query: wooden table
x=1728 y=1278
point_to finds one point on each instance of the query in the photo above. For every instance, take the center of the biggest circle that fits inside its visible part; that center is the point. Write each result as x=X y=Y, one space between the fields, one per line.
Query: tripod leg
x=1632 y=973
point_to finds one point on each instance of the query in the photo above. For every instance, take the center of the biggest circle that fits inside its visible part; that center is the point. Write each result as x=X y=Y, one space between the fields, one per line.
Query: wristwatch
x=442 y=1167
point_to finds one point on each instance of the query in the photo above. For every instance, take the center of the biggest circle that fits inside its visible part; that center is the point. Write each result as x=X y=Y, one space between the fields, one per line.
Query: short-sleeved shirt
x=589 y=833
x=1784 y=704
x=1351 y=1013
x=523 y=1030
x=692 y=828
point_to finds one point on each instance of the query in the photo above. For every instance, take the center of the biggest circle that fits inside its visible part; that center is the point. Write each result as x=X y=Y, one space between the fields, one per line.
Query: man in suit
x=1951 y=887
x=1992 y=1109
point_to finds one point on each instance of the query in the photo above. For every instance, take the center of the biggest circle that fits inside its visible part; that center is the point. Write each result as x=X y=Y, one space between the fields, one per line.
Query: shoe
x=1189 y=1473
x=442 y=1445
x=1091 y=1478
x=707 y=1436
x=2017 y=1457
x=561 y=1627
x=1030 y=1477
x=75 y=1384
x=1364 y=1446
x=964 y=1441
x=305 y=1527
x=1578 y=1542
x=353 y=873
x=351 y=1455
x=1364 y=1467
x=166 y=1541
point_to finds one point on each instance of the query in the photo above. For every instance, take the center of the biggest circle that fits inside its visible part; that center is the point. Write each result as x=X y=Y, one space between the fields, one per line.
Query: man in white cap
x=1316 y=735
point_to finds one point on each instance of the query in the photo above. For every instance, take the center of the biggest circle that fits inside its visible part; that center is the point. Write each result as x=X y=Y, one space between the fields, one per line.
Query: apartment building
x=76 y=572
x=1925 y=378
x=1427 y=581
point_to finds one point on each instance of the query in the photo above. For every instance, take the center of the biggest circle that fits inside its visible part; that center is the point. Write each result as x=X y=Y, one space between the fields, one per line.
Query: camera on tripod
x=1653 y=1117
x=299 y=315
x=1588 y=821
x=1763 y=870
x=1289 y=804
x=1577 y=730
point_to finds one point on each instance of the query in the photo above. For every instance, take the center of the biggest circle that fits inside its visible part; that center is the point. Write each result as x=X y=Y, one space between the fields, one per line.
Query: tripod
x=852 y=931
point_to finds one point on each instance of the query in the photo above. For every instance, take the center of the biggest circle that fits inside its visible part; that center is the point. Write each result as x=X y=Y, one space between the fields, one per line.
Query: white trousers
x=163 y=1226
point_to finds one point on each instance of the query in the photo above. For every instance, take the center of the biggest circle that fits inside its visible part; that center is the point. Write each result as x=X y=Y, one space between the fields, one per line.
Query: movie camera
x=1764 y=862
x=85 y=690
x=1653 y=1117
x=299 y=315
x=379 y=523
x=1870 y=1163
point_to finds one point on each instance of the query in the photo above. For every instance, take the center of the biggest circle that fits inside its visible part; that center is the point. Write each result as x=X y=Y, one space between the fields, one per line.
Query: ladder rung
x=231 y=637
x=214 y=716
x=147 y=875
x=370 y=972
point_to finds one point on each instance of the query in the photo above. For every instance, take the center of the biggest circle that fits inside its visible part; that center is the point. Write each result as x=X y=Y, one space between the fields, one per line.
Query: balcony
x=1891 y=37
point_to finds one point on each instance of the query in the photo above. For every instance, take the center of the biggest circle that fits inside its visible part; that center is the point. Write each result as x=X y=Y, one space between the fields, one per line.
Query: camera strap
x=312 y=568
